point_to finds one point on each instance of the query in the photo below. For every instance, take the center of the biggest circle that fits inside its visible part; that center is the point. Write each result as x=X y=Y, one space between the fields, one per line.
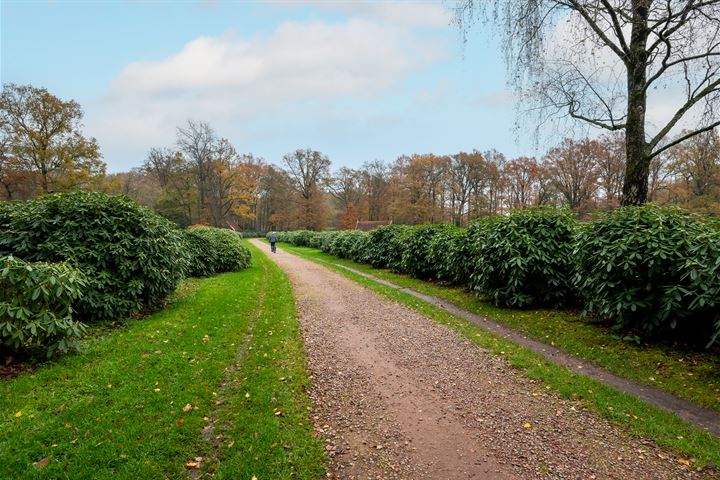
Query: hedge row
x=214 y=250
x=130 y=258
x=649 y=270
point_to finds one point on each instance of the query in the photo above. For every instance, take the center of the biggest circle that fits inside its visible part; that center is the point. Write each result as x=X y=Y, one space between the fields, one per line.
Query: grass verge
x=635 y=416
x=205 y=377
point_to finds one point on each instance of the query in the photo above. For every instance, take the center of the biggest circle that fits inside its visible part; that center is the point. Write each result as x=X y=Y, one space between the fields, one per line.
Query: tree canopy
x=602 y=61
x=41 y=140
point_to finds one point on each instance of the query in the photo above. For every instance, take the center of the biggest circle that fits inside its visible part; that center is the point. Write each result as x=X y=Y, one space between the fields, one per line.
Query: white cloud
x=228 y=79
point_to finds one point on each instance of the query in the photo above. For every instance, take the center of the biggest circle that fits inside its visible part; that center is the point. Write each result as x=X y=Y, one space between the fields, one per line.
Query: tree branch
x=712 y=87
x=666 y=65
x=578 y=7
x=685 y=137
x=616 y=24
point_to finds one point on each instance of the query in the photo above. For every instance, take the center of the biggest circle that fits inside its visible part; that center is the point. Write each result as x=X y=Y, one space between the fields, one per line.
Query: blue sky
x=357 y=80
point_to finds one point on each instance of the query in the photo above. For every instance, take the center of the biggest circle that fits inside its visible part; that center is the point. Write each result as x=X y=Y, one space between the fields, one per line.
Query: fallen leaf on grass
x=180 y=421
x=19 y=414
x=187 y=408
x=191 y=465
x=41 y=463
x=279 y=413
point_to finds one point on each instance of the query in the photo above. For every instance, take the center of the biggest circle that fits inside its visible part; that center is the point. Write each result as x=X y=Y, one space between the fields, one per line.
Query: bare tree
x=375 y=178
x=611 y=165
x=308 y=169
x=526 y=182
x=697 y=163
x=468 y=171
x=598 y=60
x=348 y=190
x=197 y=141
x=573 y=167
x=220 y=183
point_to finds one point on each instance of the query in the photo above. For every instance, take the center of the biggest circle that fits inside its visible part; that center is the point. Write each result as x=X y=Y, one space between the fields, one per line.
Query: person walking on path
x=273 y=240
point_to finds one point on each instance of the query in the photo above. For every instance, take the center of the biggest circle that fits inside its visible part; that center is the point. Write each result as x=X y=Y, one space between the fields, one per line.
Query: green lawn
x=635 y=416
x=220 y=374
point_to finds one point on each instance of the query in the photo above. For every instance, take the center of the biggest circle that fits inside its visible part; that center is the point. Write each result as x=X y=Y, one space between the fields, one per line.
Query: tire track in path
x=398 y=396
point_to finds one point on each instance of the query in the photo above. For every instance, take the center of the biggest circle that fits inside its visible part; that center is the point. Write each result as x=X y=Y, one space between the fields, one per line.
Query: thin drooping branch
x=710 y=88
x=682 y=138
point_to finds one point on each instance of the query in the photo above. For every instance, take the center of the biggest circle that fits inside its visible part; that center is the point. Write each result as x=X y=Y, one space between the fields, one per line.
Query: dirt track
x=399 y=396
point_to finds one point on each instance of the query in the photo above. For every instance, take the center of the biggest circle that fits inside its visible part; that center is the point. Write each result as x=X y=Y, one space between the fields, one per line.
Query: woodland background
x=203 y=179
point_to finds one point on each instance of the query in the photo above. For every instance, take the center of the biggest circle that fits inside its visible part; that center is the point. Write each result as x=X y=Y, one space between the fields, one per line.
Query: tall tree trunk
x=637 y=169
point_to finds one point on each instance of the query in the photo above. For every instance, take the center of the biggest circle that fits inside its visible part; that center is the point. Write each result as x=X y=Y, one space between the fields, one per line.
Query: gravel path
x=398 y=396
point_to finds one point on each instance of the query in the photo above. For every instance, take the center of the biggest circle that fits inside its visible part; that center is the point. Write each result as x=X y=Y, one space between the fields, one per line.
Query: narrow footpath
x=397 y=395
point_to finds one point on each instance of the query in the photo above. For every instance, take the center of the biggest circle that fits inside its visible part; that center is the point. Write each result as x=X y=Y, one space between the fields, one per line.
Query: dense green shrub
x=398 y=243
x=325 y=241
x=302 y=238
x=215 y=250
x=347 y=244
x=650 y=269
x=130 y=255
x=525 y=258
x=36 y=306
x=384 y=246
x=451 y=254
x=416 y=258
x=378 y=246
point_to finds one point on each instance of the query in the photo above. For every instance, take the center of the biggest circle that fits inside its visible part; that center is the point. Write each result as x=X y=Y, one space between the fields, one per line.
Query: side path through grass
x=633 y=415
x=214 y=383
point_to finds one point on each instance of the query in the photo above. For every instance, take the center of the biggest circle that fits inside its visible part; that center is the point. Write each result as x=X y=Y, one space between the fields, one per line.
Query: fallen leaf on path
x=683 y=461
x=527 y=425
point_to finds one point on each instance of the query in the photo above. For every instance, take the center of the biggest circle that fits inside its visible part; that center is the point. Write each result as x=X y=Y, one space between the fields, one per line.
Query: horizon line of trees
x=304 y=192
x=202 y=179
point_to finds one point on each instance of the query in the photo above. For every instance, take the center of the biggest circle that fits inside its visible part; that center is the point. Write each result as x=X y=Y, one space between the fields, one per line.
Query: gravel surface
x=397 y=395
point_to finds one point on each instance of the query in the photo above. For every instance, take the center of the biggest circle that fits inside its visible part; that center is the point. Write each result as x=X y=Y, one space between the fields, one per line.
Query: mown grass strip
x=635 y=416
x=135 y=402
